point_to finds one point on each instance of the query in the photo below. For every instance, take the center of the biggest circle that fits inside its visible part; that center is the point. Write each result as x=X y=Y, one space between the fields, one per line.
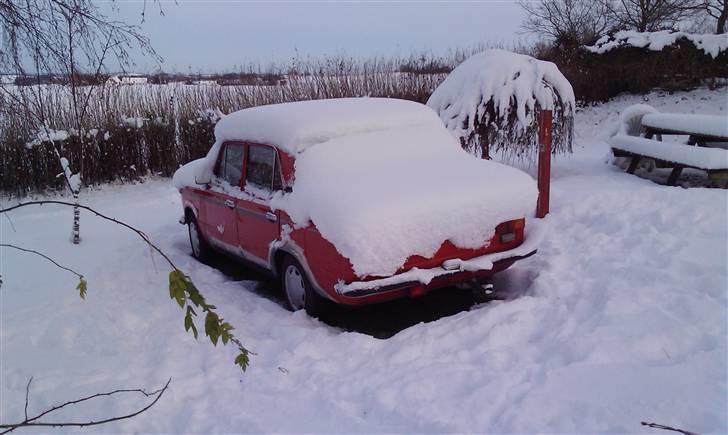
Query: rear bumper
x=457 y=270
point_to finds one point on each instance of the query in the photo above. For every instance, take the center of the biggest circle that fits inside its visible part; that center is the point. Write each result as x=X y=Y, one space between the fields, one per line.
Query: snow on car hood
x=380 y=197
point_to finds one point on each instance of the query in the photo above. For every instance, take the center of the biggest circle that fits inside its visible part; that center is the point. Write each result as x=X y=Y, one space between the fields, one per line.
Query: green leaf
x=212 y=327
x=82 y=287
x=188 y=321
x=195 y=295
x=177 y=287
x=242 y=359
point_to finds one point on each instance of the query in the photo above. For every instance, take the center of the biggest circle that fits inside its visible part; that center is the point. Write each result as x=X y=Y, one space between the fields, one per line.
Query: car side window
x=261 y=170
x=231 y=165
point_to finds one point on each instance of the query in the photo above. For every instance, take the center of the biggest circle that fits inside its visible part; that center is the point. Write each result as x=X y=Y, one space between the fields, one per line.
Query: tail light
x=511 y=231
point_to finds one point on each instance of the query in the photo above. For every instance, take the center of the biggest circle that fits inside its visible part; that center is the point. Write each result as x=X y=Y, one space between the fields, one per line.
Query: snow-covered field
x=620 y=318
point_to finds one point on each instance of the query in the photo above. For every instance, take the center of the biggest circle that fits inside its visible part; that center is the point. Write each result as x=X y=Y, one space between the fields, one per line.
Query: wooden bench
x=677 y=156
x=705 y=150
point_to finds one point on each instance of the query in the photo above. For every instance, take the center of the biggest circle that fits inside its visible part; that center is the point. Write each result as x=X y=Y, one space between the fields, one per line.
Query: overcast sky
x=212 y=36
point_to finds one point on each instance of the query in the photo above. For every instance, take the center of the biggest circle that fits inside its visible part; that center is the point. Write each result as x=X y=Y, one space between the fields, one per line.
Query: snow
x=403 y=192
x=533 y=237
x=133 y=121
x=709 y=125
x=400 y=166
x=619 y=318
x=712 y=45
x=691 y=155
x=630 y=120
x=502 y=76
x=294 y=127
x=47 y=134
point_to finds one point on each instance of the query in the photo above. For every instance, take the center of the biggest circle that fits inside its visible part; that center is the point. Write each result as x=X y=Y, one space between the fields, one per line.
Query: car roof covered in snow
x=296 y=126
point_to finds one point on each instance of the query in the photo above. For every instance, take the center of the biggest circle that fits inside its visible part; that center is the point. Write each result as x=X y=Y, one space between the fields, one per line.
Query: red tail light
x=511 y=231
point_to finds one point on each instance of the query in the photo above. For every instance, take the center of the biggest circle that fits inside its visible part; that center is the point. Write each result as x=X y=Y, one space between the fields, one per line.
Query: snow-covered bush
x=711 y=45
x=492 y=101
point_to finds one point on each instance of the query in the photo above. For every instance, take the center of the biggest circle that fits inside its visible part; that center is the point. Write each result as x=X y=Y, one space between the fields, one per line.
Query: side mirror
x=203 y=180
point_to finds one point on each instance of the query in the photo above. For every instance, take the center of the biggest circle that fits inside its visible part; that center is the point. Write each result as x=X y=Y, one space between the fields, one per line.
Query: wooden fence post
x=544 y=162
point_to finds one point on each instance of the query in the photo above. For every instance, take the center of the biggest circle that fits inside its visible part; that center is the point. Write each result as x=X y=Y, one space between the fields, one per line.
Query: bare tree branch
x=651 y=15
x=33 y=421
x=140 y=233
x=7 y=245
x=571 y=22
x=663 y=427
x=27 y=392
x=182 y=289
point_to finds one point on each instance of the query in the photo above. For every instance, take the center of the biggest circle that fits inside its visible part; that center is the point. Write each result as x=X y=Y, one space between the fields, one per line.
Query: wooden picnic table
x=703 y=130
x=708 y=134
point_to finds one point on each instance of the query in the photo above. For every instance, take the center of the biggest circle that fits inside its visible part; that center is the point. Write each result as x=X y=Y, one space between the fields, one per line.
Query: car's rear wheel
x=300 y=295
x=200 y=249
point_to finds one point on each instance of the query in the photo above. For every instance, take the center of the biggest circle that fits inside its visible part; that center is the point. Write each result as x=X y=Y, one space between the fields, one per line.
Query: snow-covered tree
x=492 y=103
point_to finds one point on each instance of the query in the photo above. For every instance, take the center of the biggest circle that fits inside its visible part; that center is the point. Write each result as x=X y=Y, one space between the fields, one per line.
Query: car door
x=257 y=224
x=220 y=201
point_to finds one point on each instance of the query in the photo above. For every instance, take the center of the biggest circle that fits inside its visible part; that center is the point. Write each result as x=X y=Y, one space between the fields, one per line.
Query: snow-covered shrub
x=712 y=45
x=492 y=101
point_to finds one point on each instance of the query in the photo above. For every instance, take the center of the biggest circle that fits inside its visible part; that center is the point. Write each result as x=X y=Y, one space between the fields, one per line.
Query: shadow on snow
x=389 y=318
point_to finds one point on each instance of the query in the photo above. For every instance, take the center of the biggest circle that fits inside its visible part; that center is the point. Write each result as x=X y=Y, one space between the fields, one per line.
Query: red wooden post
x=544 y=163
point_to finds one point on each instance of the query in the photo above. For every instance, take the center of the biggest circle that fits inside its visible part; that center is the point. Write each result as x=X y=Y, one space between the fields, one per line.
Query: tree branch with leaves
x=181 y=287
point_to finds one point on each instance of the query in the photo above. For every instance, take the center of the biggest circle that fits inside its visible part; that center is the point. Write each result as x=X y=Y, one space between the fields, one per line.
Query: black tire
x=314 y=304
x=200 y=250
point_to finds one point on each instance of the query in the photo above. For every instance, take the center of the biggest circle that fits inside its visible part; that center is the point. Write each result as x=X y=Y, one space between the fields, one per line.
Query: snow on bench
x=709 y=159
x=713 y=126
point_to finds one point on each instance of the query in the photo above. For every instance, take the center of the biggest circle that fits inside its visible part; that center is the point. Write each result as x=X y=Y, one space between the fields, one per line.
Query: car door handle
x=229 y=203
x=271 y=216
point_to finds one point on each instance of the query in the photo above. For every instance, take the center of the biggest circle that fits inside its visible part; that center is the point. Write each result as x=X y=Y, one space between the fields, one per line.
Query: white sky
x=209 y=36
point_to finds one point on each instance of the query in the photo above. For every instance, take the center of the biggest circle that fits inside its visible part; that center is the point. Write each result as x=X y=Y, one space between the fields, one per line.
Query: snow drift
x=381 y=179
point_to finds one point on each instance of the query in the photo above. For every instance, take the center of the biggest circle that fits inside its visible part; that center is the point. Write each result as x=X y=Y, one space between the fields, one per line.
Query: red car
x=355 y=201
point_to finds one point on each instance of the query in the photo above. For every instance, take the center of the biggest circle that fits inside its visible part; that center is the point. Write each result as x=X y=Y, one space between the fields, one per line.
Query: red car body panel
x=246 y=227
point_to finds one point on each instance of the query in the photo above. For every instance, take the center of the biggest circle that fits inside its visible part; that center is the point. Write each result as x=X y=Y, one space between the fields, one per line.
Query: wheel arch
x=277 y=256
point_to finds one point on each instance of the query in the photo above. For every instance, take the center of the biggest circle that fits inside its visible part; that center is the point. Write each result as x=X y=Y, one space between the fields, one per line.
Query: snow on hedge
x=495 y=96
x=712 y=45
x=381 y=179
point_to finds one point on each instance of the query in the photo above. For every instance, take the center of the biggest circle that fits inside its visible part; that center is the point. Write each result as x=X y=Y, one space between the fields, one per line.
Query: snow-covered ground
x=620 y=318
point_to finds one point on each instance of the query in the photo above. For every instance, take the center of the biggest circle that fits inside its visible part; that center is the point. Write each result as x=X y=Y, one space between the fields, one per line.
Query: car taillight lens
x=511 y=230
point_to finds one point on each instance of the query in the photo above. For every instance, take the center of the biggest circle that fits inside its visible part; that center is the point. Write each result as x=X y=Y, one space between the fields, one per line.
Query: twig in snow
x=7 y=245
x=33 y=421
x=663 y=427
x=27 y=392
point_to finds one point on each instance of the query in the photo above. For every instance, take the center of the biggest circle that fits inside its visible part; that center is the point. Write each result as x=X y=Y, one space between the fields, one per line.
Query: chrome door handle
x=271 y=216
x=229 y=203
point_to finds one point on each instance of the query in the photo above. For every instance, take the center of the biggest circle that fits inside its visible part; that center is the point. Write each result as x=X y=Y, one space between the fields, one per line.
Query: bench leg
x=633 y=165
x=674 y=175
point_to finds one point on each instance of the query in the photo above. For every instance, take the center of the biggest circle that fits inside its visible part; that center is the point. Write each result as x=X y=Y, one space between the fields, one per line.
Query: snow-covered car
x=356 y=201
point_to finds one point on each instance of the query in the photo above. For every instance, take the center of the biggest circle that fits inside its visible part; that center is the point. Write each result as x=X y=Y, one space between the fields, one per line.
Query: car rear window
x=261 y=170
x=231 y=167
